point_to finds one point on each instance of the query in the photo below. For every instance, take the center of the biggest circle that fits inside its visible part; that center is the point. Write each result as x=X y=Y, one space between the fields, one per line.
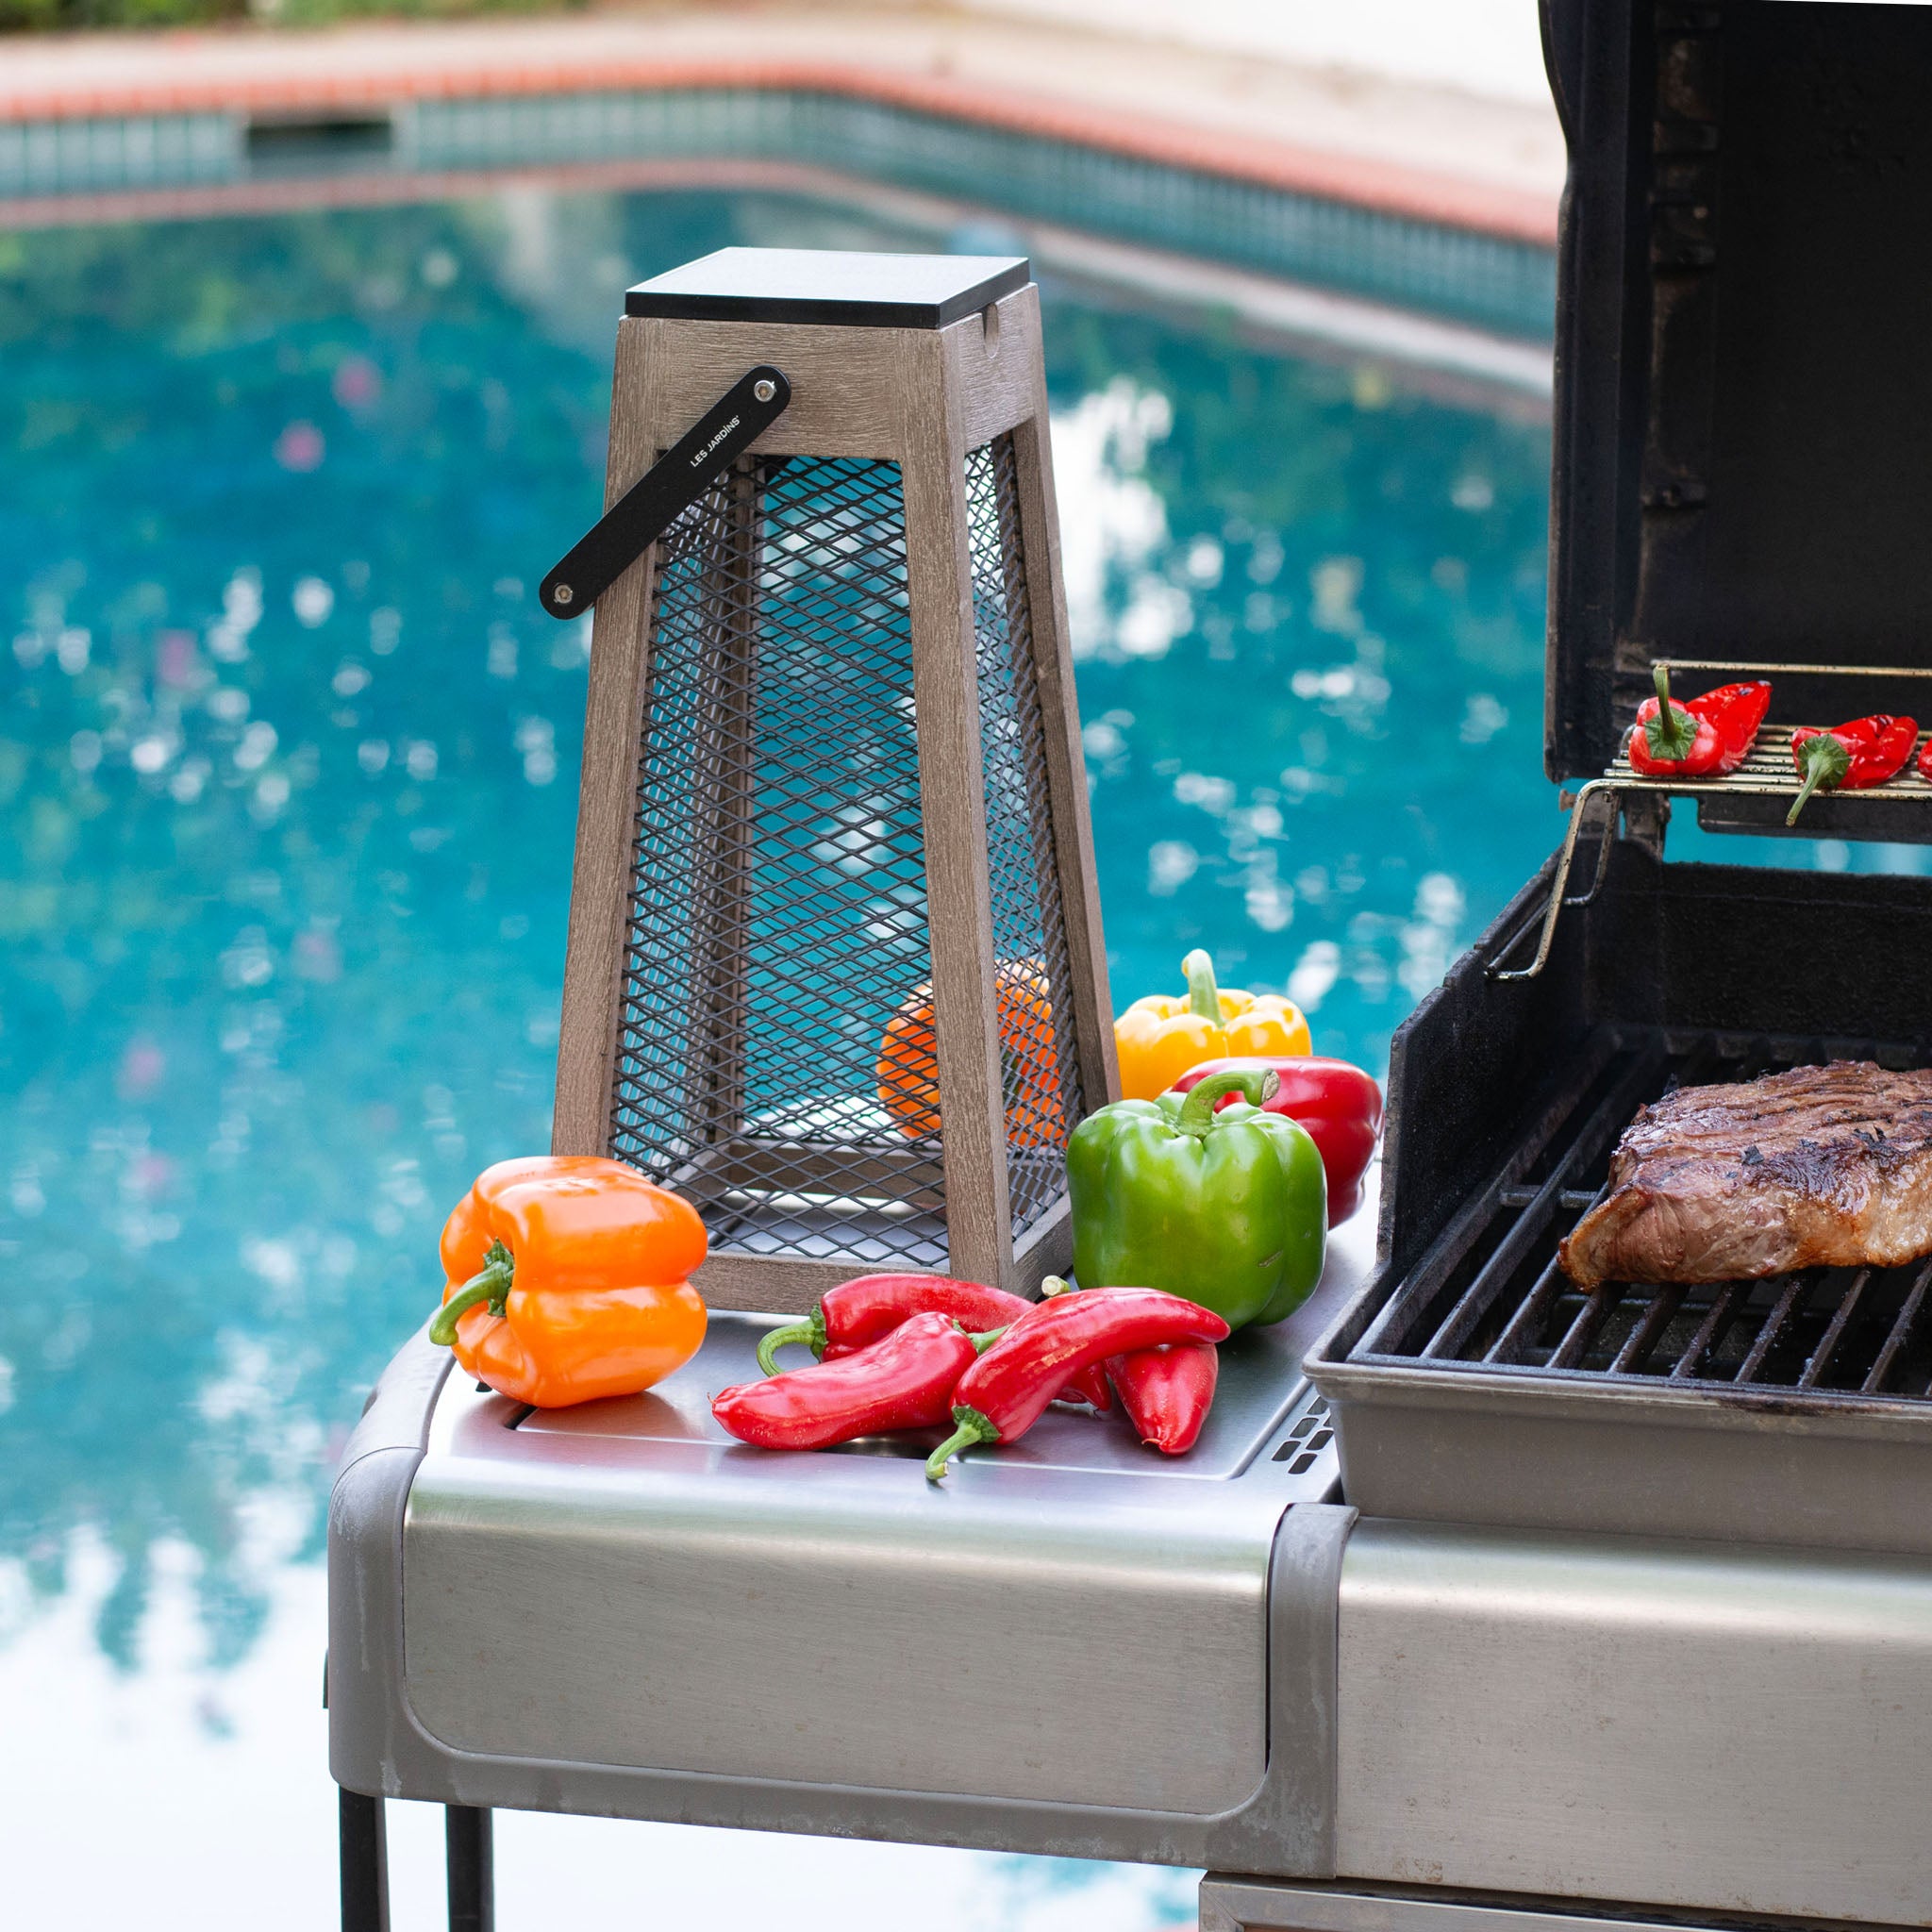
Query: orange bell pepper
x=908 y=1062
x=1160 y=1036
x=568 y=1280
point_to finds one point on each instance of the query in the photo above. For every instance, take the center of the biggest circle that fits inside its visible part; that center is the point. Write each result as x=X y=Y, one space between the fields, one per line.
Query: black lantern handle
x=672 y=484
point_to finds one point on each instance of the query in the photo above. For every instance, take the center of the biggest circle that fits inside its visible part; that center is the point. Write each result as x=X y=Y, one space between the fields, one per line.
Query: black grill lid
x=830 y=285
x=1743 y=406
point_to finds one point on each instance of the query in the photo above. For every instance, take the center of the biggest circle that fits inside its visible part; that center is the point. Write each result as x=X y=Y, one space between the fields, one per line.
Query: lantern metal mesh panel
x=778 y=913
x=779 y=903
x=1038 y=1062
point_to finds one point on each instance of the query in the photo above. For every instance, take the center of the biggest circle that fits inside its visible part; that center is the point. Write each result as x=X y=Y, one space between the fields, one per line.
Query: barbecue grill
x=1621 y=1613
x=1735 y=496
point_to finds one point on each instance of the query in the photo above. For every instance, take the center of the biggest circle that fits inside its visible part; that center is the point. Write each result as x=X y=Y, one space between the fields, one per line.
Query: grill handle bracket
x=665 y=491
x=1581 y=807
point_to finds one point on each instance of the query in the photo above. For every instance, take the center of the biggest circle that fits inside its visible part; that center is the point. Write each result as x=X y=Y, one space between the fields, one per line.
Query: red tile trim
x=1388 y=187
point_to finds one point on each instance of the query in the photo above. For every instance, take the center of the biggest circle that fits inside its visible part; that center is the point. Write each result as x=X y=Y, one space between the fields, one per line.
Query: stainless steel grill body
x=1529 y=1722
x=1077 y=1651
x=1681 y=1723
x=1078 y=1648
x=835 y=1623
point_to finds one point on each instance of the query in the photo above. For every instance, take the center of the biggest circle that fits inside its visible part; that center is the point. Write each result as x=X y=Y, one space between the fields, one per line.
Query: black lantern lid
x=830 y=285
x=1743 y=411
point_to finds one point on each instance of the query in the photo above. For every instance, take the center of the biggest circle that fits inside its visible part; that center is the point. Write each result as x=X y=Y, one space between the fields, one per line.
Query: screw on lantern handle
x=669 y=486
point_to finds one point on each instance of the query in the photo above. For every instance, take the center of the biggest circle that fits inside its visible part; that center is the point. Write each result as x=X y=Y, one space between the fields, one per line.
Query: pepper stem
x=972 y=1427
x=1053 y=1285
x=985 y=1338
x=1825 y=761
x=811 y=1332
x=491 y=1284
x=1203 y=996
x=1673 y=733
x=1254 y=1084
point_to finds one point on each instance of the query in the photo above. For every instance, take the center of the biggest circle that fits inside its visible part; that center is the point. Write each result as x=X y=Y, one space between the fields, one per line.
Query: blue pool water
x=287 y=760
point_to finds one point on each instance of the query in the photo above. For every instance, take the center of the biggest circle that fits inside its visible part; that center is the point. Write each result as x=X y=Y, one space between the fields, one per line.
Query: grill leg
x=364 y=1839
x=472 y=1870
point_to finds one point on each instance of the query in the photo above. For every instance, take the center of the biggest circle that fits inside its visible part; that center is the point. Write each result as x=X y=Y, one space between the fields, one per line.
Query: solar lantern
x=834 y=968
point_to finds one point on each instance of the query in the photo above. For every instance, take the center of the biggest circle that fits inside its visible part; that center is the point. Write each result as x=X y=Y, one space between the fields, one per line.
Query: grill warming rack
x=1753 y=798
x=1489 y=1387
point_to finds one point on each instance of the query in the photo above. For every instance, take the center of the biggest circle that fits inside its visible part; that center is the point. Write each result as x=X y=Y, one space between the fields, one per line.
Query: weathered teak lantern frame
x=917 y=385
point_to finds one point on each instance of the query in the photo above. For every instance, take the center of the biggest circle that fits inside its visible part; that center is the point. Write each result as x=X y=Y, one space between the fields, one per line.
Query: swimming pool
x=288 y=769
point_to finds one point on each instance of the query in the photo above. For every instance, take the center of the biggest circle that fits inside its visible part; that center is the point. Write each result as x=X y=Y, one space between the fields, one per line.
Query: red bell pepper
x=1167 y=1391
x=859 y=1312
x=1339 y=1105
x=1006 y=1390
x=904 y=1381
x=1703 y=737
x=1851 y=758
x=1925 y=761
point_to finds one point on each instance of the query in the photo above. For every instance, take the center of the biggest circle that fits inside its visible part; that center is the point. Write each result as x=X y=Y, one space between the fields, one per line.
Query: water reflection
x=289 y=762
x=1307 y=606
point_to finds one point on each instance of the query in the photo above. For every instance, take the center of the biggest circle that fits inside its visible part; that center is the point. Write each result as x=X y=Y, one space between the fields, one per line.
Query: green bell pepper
x=1229 y=1210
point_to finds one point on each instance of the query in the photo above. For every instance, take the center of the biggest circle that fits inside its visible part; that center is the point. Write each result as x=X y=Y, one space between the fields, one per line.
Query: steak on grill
x=1818 y=1167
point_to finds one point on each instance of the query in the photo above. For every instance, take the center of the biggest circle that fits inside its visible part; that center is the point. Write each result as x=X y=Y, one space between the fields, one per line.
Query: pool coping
x=309 y=74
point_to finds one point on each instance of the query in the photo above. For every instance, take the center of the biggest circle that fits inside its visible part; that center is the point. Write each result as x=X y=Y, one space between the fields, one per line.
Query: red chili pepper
x=904 y=1381
x=1167 y=1391
x=1338 y=1104
x=1701 y=738
x=1006 y=1390
x=858 y=1313
x=1850 y=758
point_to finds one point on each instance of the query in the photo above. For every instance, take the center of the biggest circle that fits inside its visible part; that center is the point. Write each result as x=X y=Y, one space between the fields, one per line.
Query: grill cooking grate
x=1836 y=1336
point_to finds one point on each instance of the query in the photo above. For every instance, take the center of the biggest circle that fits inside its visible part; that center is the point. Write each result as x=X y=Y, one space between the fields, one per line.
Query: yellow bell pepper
x=1159 y=1038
